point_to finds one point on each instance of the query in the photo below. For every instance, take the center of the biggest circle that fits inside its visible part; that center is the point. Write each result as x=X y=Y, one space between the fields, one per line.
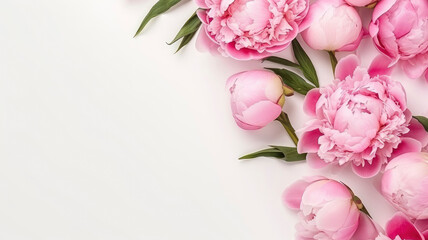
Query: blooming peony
x=327 y=210
x=362 y=119
x=257 y=98
x=399 y=30
x=250 y=29
x=405 y=184
x=333 y=25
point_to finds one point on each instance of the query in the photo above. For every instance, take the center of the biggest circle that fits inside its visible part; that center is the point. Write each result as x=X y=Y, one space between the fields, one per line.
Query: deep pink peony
x=326 y=209
x=250 y=29
x=256 y=99
x=405 y=184
x=399 y=30
x=401 y=228
x=362 y=119
x=332 y=25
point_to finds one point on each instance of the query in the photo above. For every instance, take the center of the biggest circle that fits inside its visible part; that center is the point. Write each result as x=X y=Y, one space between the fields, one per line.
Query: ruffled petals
x=346 y=66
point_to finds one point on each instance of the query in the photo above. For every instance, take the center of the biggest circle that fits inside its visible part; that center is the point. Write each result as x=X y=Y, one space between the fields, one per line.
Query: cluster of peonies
x=360 y=119
x=328 y=209
x=254 y=29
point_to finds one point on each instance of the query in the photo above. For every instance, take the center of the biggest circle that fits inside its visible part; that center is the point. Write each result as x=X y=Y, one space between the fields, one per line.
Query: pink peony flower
x=332 y=25
x=257 y=98
x=360 y=3
x=250 y=29
x=327 y=210
x=405 y=184
x=361 y=119
x=401 y=228
x=399 y=30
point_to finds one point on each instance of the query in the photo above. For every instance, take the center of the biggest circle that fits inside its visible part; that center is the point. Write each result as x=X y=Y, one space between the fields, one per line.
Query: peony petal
x=379 y=66
x=381 y=8
x=422 y=225
x=400 y=225
x=261 y=113
x=367 y=228
x=201 y=4
x=244 y=53
x=292 y=195
x=368 y=170
x=310 y=103
x=346 y=66
x=205 y=44
x=407 y=145
x=426 y=75
x=202 y=15
x=332 y=216
x=308 y=142
x=354 y=45
x=314 y=161
x=413 y=69
x=417 y=131
x=245 y=126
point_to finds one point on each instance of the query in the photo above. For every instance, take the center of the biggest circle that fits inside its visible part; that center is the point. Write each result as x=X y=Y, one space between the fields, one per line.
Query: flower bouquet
x=359 y=119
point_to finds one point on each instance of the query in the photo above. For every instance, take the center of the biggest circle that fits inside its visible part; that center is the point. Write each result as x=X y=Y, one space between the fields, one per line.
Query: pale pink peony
x=399 y=30
x=360 y=3
x=333 y=25
x=362 y=119
x=405 y=184
x=401 y=228
x=250 y=29
x=326 y=209
x=257 y=98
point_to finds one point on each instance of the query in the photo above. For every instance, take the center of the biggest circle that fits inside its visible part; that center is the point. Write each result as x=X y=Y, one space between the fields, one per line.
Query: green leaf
x=269 y=152
x=185 y=41
x=305 y=63
x=293 y=80
x=423 y=121
x=191 y=26
x=282 y=61
x=160 y=7
x=288 y=154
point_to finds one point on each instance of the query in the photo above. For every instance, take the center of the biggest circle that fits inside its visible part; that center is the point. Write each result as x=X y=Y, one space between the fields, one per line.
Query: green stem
x=333 y=60
x=285 y=121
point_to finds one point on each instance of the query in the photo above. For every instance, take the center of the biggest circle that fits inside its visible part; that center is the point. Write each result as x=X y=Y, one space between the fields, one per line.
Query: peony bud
x=257 y=98
x=405 y=182
x=333 y=25
x=327 y=209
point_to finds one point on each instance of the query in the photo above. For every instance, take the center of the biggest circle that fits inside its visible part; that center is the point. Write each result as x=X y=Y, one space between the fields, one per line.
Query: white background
x=103 y=136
